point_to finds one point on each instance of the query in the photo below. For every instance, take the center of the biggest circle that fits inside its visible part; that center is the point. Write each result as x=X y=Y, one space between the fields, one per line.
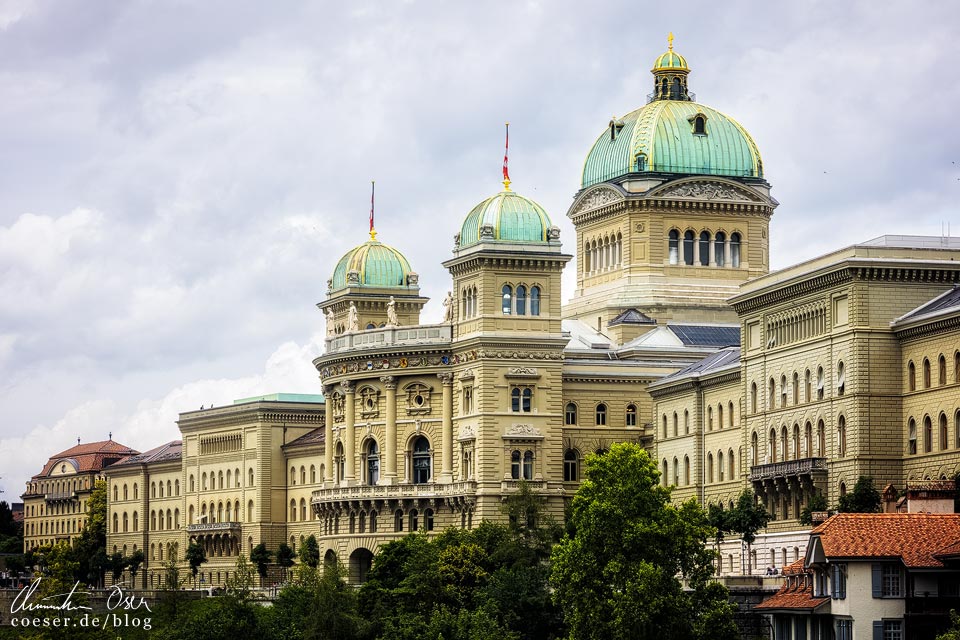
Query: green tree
x=260 y=557
x=285 y=556
x=90 y=547
x=241 y=582
x=195 y=556
x=616 y=575
x=310 y=552
x=134 y=562
x=747 y=517
x=953 y=633
x=118 y=564
x=816 y=503
x=863 y=499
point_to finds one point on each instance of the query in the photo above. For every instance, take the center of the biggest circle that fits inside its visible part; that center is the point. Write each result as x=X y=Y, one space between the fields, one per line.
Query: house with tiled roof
x=890 y=576
x=55 y=502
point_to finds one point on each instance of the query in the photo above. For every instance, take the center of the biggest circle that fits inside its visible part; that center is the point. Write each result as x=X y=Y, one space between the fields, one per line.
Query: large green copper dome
x=377 y=264
x=662 y=137
x=507 y=217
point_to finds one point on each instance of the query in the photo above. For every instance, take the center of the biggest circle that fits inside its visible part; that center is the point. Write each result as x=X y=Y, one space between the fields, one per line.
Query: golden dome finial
x=373 y=232
x=670 y=41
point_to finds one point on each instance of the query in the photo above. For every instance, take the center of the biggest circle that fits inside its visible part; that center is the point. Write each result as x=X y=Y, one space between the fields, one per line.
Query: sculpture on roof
x=448 y=307
x=353 y=318
x=392 y=320
x=330 y=320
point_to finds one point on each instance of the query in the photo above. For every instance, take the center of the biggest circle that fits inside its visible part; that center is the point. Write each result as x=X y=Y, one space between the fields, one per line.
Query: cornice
x=925 y=327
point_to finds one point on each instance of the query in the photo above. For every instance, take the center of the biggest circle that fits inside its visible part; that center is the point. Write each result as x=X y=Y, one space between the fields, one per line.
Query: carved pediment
x=706 y=190
x=599 y=197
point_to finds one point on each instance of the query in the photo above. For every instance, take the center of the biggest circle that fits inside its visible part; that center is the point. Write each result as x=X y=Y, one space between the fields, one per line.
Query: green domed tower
x=673 y=210
x=368 y=278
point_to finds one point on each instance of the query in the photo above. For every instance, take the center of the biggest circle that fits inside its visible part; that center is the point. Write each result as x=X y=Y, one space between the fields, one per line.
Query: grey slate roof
x=707 y=335
x=164 y=453
x=631 y=316
x=311 y=437
x=944 y=303
x=729 y=357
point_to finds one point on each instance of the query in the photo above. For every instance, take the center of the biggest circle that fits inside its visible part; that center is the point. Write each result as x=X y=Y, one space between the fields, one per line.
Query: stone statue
x=392 y=313
x=330 y=328
x=448 y=307
x=353 y=319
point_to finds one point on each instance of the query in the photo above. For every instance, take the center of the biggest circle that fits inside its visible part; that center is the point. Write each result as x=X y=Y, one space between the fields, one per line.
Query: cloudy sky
x=179 y=178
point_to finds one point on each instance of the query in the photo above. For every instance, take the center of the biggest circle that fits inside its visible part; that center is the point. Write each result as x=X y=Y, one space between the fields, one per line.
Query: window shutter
x=833 y=582
x=877 y=630
x=877 y=580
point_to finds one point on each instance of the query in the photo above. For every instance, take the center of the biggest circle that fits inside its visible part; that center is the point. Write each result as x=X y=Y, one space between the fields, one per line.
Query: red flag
x=506 y=151
x=372 y=187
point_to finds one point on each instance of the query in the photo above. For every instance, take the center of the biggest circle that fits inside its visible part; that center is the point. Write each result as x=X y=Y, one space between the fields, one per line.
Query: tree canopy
x=863 y=499
x=615 y=573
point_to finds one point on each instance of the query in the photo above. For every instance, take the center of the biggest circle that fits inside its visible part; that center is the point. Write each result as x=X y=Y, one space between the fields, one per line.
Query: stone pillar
x=726 y=254
x=696 y=250
x=349 y=438
x=327 y=434
x=446 y=440
x=711 y=252
x=390 y=446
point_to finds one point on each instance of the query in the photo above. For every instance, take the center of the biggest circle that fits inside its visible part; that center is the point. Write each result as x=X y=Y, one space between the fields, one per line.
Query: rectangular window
x=887 y=581
x=844 y=629
x=838 y=581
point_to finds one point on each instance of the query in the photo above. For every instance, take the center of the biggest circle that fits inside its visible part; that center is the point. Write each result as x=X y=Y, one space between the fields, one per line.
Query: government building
x=676 y=337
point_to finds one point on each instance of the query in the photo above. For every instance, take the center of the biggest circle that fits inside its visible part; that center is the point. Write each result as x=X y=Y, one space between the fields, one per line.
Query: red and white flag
x=372 y=187
x=506 y=151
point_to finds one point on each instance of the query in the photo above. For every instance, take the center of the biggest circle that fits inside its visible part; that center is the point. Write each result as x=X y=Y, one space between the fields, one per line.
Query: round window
x=418 y=400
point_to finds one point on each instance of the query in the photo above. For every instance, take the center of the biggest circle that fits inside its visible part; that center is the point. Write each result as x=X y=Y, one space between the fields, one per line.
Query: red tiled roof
x=917 y=538
x=89 y=456
x=794 y=568
x=796 y=597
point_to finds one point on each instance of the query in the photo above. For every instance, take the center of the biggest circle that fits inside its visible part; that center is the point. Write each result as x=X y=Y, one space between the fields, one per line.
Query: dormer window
x=641 y=162
x=700 y=125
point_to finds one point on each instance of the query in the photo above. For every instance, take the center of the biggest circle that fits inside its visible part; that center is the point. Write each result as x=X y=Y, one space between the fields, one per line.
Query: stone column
x=390 y=446
x=350 y=440
x=327 y=434
x=696 y=250
x=726 y=254
x=711 y=251
x=446 y=440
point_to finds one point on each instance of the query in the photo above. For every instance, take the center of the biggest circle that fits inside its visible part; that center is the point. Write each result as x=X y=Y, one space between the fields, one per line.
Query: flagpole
x=506 y=152
x=373 y=232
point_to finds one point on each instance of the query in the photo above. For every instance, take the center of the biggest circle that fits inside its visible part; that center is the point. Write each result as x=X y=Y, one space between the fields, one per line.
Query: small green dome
x=507 y=217
x=664 y=136
x=670 y=60
x=377 y=264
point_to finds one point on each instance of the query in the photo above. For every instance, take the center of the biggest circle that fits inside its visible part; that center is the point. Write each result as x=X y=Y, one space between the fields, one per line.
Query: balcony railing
x=514 y=485
x=439 y=334
x=788 y=469
x=208 y=527
x=365 y=492
x=63 y=495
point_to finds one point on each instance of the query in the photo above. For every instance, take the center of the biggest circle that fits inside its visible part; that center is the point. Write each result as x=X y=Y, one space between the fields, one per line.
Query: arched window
x=783 y=391
x=911 y=376
x=673 y=247
x=686 y=422
x=772 y=394
x=700 y=126
x=675 y=430
x=250 y=511
x=841 y=379
x=515 y=465
x=421 y=460
x=719 y=249
x=842 y=436
x=784 y=448
x=820 y=383
x=720 y=468
x=686 y=470
x=534 y=301
x=720 y=416
x=250 y=477
x=710 y=418
x=507 y=292
x=926 y=373
x=710 y=467
x=772 y=446
x=754 y=449
x=730 y=462
x=735 y=250
x=821 y=439
x=373 y=522
x=398 y=520
x=631 y=415
x=414 y=517
x=806 y=386
x=912 y=436
x=796 y=441
x=125 y=495
x=796 y=388
x=528 y=465
x=942 y=370
x=956 y=367
x=303 y=475
x=808 y=440
x=428 y=519
x=136 y=491
x=705 y=248
x=927 y=435
x=521 y=301
x=570 y=415
x=664 y=473
x=126 y=523
x=753 y=397
x=601 y=415
x=944 y=442
x=676 y=472
x=303 y=509
x=688 y=239
x=571 y=465
x=116 y=493
x=373 y=463
x=664 y=426
x=313 y=474
x=293 y=510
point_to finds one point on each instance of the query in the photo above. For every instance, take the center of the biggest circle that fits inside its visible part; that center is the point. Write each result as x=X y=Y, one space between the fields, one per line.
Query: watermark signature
x=30 y=609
